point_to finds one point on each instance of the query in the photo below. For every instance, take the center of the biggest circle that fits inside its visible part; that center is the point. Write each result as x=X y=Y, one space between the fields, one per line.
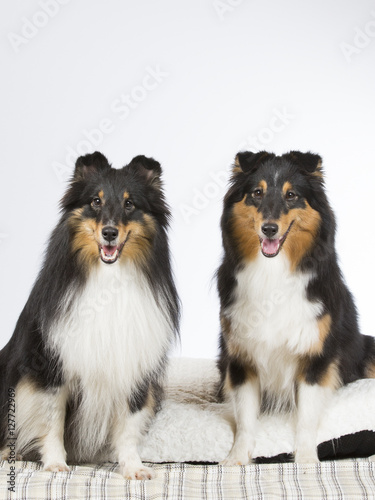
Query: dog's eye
x=258 y=193
x=129 y=205
x=290 y=196
x=96 y=202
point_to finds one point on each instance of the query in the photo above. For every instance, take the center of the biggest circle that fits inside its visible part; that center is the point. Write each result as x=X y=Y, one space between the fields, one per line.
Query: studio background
x=189 y=83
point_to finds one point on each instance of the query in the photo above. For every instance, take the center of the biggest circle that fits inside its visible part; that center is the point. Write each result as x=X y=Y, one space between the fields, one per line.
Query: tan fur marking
x=126 y=195
x=251 y=374
x=101 y=194
x=227 y=334
x=263 y=185
x=324 y=325
x=151 y=401
x=27 y=386
x=318 y=172
x=247 y=222
x=225 y=325
x=302 y=233
x=245 y=218
x=234 y=350
x=331 y=378
x=139 y=242
x=227 y=385
x=287 y=187
x=236 y=167
x=85 y=238
x=370 y=371
x=301 y=370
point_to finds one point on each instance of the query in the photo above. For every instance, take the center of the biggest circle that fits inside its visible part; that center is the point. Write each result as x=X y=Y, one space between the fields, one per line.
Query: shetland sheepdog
x=88 y=354
x=289 y=330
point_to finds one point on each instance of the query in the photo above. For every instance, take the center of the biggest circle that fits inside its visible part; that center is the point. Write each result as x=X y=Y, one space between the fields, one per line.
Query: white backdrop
x=189 y=83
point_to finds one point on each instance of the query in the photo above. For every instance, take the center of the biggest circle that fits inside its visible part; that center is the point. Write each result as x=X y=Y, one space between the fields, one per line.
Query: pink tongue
x=270 y=246
x=109 y=250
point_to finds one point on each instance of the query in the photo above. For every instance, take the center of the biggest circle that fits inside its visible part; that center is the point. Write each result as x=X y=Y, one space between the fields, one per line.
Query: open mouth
x=109 y=254
x=271 y=246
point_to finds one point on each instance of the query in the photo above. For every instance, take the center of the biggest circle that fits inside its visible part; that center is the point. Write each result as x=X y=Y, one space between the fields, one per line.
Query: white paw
x=237 y=459
x=56 y=467
x=141 y=472
x=372 y=458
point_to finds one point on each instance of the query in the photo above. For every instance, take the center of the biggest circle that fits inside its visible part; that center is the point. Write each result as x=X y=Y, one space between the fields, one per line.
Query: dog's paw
x=141 y=473
x=372 y=458
x=236 y=459
x=56 y=467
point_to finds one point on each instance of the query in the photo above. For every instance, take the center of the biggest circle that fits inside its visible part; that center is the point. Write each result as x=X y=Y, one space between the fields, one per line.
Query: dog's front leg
x=129 y=430
x=52 y=448
x=246 y=404
x=312 y=400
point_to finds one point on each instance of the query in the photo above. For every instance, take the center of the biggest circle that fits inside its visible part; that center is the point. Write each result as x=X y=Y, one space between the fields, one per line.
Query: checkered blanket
x=347 y=479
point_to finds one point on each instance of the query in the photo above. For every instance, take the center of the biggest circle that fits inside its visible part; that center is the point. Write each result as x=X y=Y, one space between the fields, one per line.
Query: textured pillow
x=193 y=426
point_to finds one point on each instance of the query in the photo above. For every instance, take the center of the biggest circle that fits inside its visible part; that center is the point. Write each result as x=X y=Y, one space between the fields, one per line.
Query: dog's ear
x=309 y=163
x=148 y=168
x=247 y=162
x=90 y=164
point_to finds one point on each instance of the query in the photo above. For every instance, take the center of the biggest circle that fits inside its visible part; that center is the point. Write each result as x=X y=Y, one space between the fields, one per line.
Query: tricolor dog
x=89 y=351
x=289 y=330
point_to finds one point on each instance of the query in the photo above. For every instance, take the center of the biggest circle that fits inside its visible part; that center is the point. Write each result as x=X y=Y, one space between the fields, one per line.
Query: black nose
x=109 y=233
x=270 y=229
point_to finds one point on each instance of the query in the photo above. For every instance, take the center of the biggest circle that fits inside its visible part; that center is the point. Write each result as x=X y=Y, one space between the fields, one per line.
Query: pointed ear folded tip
x=92 y=158
x=247 y=161
x=148 y=167
x=89 y=164
x=310 y=162
x=147 y=162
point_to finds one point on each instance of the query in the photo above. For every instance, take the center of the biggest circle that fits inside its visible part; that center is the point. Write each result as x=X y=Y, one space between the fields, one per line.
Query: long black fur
x=26 y=352
x=355 y=352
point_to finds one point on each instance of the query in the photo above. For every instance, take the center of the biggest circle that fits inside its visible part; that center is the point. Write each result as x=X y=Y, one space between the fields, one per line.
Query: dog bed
x=193 y=431
x=352 y=479
x=194 y=427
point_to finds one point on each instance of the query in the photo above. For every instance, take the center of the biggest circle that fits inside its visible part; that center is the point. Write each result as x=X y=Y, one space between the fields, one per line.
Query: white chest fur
x=272 y=320
x=115 y=331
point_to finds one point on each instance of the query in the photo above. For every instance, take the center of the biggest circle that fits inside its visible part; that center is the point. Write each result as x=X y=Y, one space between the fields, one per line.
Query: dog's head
x=114 y=214
x=273 y=204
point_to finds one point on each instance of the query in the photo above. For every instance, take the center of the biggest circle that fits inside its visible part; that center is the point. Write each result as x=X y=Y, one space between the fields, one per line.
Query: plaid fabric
x=349 y=479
